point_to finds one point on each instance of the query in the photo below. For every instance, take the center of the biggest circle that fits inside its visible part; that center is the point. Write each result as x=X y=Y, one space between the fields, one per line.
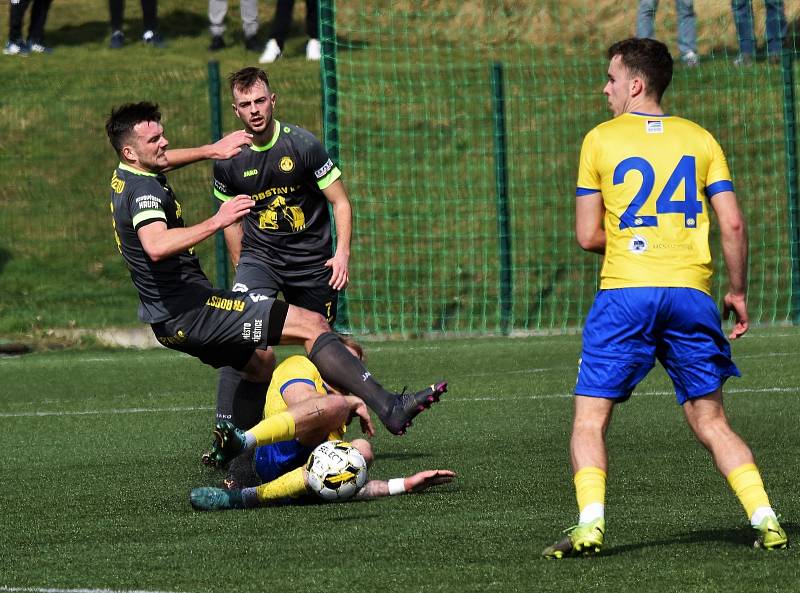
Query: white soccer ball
x=336 y=470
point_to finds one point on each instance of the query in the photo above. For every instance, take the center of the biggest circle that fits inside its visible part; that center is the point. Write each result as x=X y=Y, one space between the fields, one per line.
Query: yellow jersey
x=293 y=370
x=656 y=174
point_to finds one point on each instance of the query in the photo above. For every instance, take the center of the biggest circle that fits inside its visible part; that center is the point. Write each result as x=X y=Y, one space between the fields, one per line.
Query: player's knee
x=365 y=448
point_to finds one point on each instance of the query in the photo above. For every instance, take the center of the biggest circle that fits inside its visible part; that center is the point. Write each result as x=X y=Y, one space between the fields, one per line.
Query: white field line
x=51 y=590
x=119 y=411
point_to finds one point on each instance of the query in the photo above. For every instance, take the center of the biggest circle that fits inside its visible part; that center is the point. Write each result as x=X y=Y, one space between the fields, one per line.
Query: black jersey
x=174 y=284
x=290 y=226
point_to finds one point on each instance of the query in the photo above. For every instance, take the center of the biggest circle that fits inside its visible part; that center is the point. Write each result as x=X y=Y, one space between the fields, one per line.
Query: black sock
x=338 y=366
x=240 y=401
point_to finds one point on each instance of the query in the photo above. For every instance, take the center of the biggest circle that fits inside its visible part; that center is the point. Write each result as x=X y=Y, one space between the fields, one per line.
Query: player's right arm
x=589 y=231
x=589 y=207
x=160 y=242
x=410 y=484
x=733 y=235
x=233 y=241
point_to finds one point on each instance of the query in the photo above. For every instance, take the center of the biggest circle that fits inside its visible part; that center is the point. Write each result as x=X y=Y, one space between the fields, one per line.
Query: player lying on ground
x=185 y=312
x=301 y=412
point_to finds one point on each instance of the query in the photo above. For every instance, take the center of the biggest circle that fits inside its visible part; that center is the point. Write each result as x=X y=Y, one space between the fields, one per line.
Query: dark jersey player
x=220 y=327
x=284 y=245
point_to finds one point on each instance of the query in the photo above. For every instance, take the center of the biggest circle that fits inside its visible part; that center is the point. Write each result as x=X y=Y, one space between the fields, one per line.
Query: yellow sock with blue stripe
x=289 y=485
x=746 y=483
x=279 y=427
x=590 y=490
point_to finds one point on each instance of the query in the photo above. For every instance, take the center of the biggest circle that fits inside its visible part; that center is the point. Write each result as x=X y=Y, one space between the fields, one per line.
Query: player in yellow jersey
x=646 y=182
x=301 y=412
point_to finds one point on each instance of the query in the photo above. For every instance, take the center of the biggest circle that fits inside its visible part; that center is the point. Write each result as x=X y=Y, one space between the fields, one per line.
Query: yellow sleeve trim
x=148 y=215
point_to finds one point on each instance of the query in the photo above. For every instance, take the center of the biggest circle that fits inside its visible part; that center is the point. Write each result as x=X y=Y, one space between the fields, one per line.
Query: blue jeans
x=776 y=26
x=687 y=23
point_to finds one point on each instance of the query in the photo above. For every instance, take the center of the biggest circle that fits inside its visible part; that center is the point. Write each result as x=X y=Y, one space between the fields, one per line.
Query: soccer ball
x=336 y=470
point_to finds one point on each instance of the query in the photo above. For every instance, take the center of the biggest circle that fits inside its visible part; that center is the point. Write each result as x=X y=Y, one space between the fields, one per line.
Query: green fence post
x=216 y=133
x=330 y=116
x=501 y=190
x=790 y=139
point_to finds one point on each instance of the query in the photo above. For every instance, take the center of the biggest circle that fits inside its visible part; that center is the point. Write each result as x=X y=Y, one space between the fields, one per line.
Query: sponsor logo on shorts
x=257 y=298
x=239 y=287
x=225 y=304
x=252 y=331
x=286 y=164
x=638 y=244
x=323 y=170
x=178 y=338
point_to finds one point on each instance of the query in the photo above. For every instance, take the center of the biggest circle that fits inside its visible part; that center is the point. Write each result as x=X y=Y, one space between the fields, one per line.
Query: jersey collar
x=272 y=142
x=130 y=169
x=650 y=114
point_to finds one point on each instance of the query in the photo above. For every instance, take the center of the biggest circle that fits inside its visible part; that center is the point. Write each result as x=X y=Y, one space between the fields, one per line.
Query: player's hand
x=230 y=145
x=432 y=477
x=736 y=304
x=340 y=276
x=359 y=408
x=232 y=210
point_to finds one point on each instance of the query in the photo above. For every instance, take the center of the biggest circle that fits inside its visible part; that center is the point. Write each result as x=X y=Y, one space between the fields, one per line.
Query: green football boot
x=581 y=540
x=771 y=535
x=229 y=441
x=215 y=499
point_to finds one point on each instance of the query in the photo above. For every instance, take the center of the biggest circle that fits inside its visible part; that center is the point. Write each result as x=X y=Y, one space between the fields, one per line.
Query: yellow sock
x=746 y=483
x=289 y=485
x=590 y=490
x=279 y=427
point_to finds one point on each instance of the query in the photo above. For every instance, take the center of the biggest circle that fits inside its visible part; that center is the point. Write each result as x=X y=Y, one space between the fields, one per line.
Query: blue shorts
x=272 y=461
x=629 y=328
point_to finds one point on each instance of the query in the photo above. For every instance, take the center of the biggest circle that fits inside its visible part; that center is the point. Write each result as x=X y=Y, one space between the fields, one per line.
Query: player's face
x=618 y=87
x=148 y=147
x=254 y=107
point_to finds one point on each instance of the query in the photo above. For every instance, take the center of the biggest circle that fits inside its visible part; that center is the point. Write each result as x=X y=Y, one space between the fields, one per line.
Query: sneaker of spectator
x=37 y=47
x=271 y=52
x=251 y=44
x=153 y=39
x=117 y=40
x=690 y=59
x=314 y=50
x=15 y=48
x=217 y=43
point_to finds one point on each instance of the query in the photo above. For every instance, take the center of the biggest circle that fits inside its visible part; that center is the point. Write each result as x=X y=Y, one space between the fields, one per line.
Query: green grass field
x=100 y=448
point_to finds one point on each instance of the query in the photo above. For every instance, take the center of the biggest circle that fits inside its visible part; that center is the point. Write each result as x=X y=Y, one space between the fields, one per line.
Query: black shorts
x=306 y=287
x=226 y=329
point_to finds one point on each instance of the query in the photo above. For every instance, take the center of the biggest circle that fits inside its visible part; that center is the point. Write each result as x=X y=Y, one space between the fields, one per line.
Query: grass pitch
x=100 y=449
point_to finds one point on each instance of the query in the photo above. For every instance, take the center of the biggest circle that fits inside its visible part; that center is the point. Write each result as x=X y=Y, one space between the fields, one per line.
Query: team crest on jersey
x=638 y=244
x=655 y=126
x=286 y=164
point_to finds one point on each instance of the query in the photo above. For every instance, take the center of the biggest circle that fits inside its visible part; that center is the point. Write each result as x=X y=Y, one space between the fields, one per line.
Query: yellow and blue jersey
x=656 y=174
x=293 y=370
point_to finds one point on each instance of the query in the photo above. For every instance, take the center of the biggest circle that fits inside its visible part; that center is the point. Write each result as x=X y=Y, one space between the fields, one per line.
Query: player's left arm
x=336 y=195
x=410 y=484
x=589 y=231
x=228 y=146
x=733 y=235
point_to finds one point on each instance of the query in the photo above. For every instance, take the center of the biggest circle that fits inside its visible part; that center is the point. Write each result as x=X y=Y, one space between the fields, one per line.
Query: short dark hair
x=246 y=77
x=647 y=58
x=124 y=118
